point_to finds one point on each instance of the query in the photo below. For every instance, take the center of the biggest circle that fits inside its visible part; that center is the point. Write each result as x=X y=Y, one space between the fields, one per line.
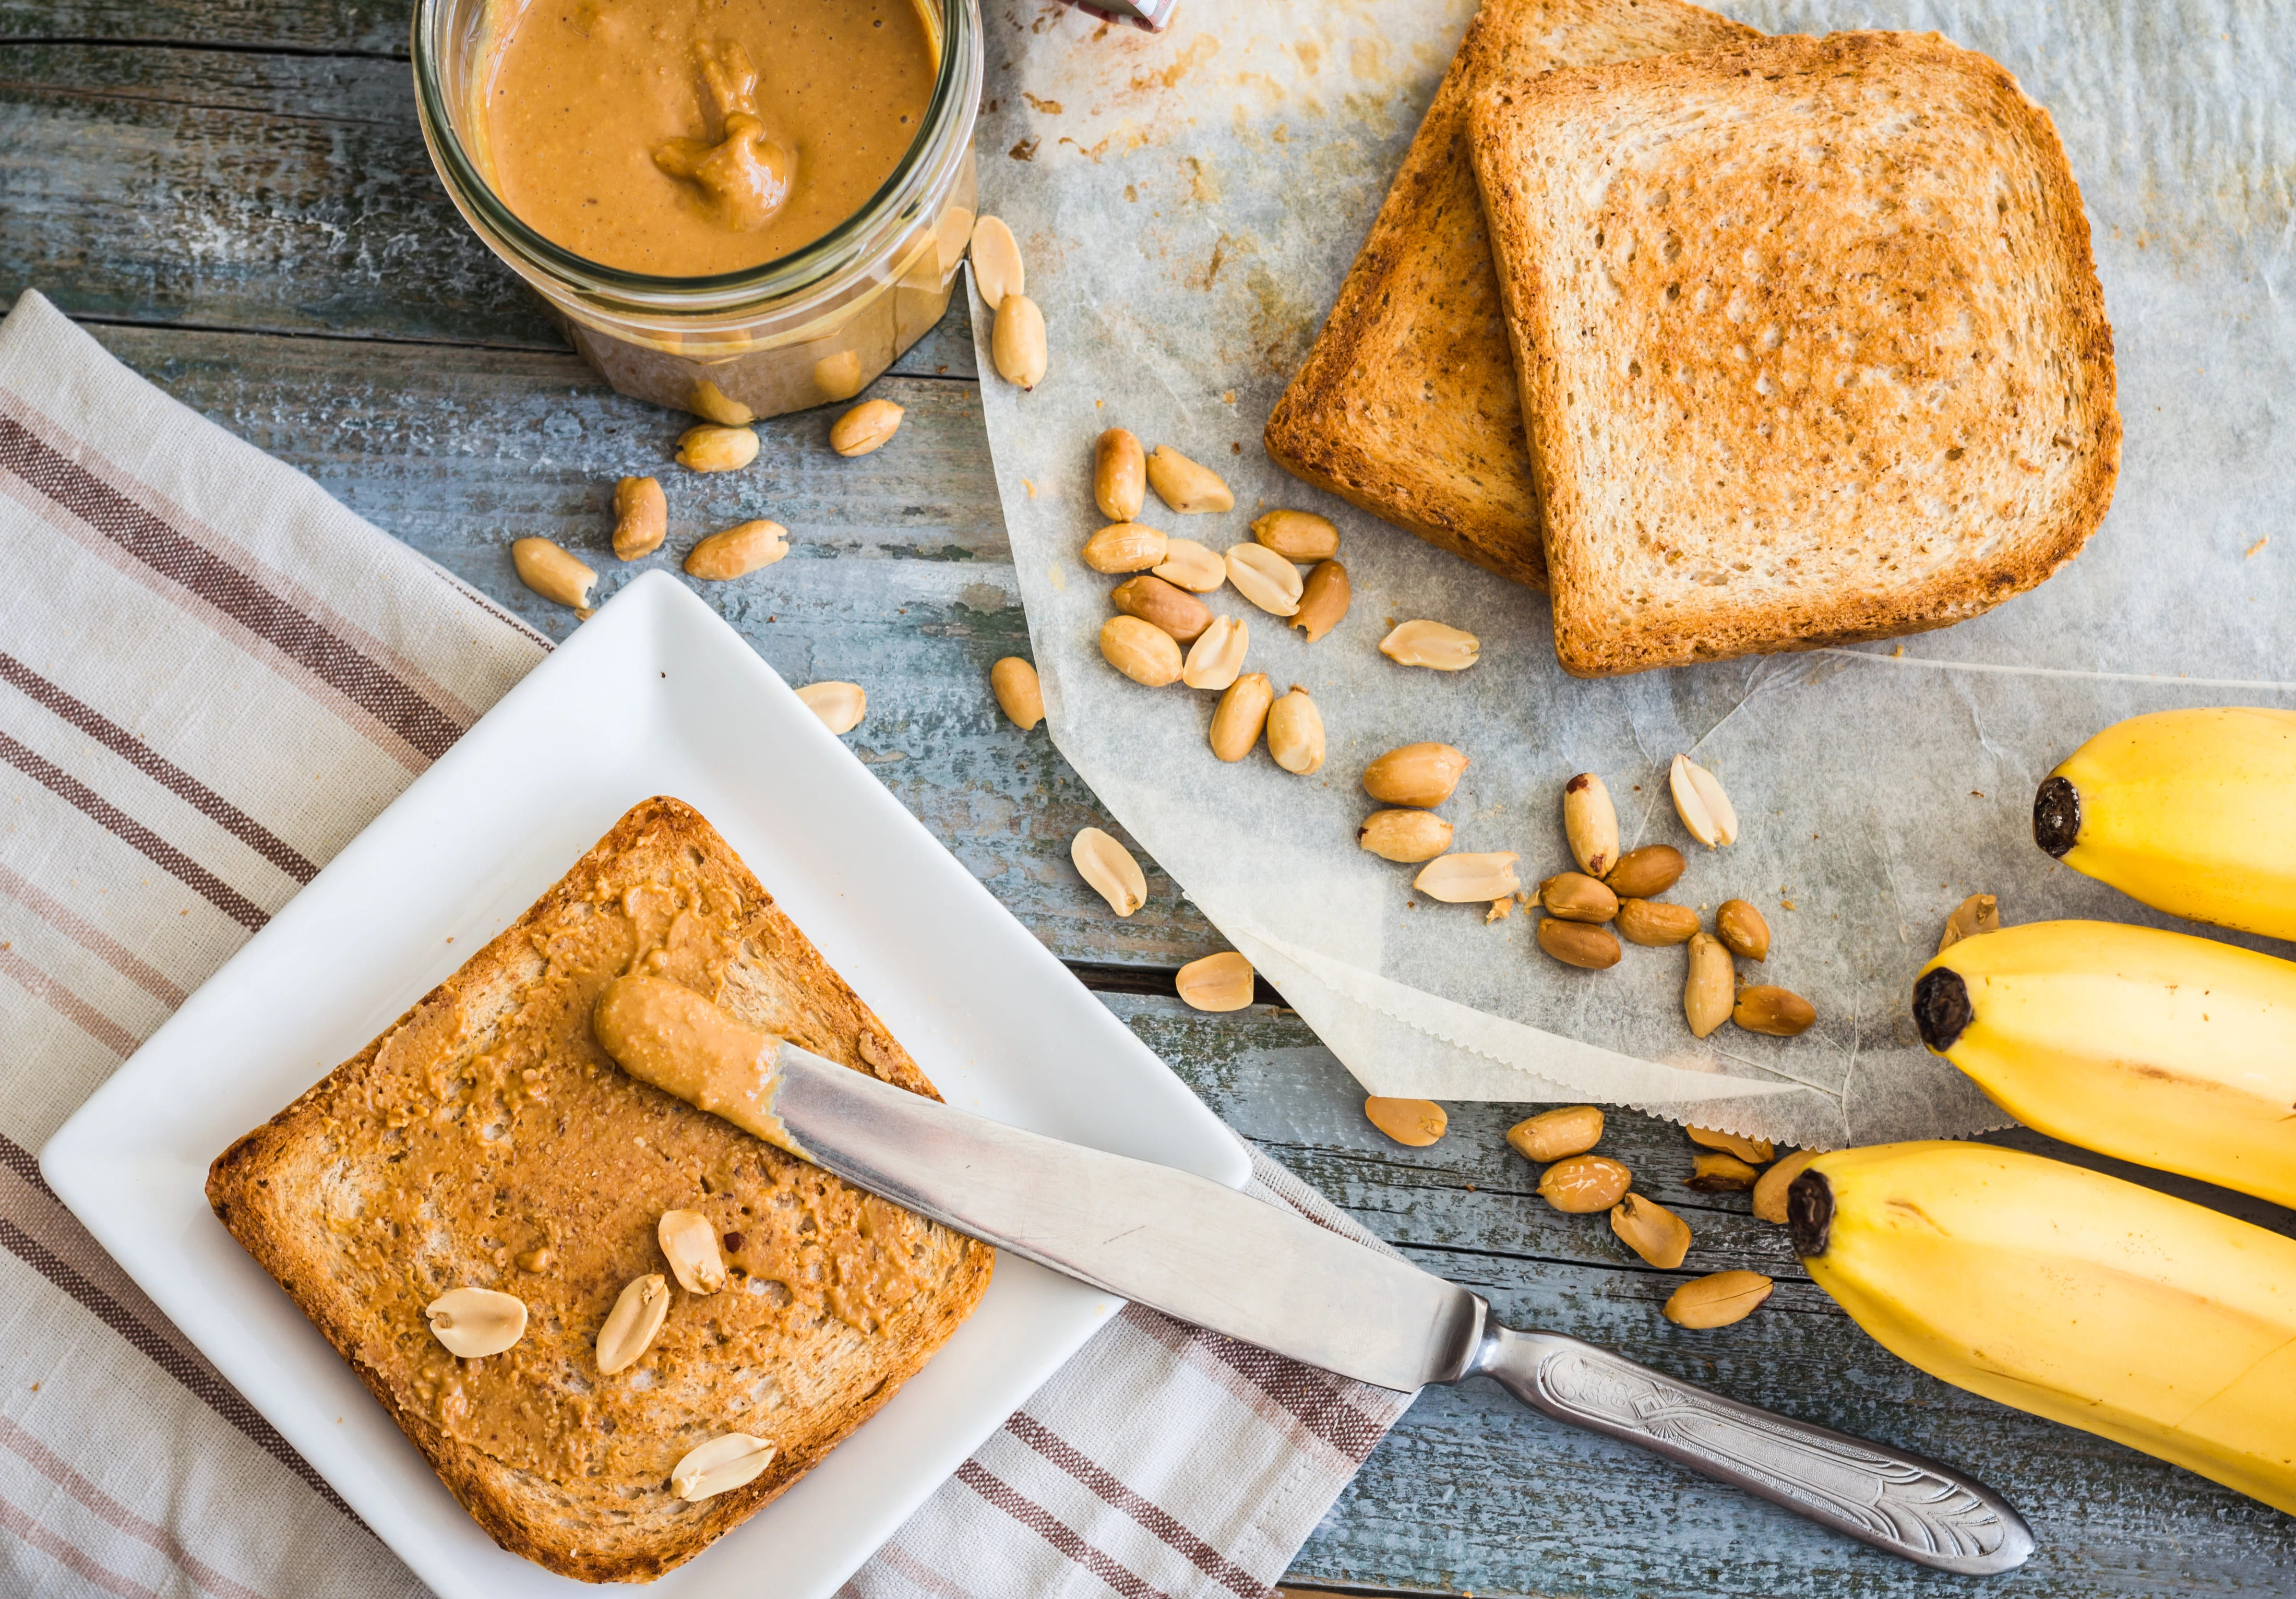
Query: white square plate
x=655 y=695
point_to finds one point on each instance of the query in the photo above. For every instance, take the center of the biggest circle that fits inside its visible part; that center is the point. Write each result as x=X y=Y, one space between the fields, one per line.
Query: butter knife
x=1207 y=1254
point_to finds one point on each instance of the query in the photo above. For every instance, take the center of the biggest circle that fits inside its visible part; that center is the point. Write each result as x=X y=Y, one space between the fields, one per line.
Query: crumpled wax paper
x=1188 y=203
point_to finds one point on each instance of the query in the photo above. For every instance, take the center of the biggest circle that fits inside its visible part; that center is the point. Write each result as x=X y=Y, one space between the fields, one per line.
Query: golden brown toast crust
x=1407 y=405
x=1810 y=341
x=486 y=1123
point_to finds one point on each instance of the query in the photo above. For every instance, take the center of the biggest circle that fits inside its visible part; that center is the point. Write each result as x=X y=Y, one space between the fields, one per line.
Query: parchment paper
x=1188 y=203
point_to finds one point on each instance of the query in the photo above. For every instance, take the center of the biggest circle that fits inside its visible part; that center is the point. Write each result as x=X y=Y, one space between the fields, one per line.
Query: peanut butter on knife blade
x=664 y=1033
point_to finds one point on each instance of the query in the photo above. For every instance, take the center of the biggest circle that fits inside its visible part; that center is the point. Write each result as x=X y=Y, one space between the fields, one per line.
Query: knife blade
x=1226 y=1261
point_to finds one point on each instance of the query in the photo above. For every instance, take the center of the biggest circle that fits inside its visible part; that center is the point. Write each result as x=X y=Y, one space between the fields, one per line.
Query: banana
x=2194 y=812
x=2159 y=1047
x=2070 y=1294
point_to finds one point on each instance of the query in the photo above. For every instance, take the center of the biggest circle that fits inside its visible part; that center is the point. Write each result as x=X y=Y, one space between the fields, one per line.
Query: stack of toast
x=1733 y=343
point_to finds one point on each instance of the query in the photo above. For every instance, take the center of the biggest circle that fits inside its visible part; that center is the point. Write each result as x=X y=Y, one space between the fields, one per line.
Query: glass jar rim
x=842 y=247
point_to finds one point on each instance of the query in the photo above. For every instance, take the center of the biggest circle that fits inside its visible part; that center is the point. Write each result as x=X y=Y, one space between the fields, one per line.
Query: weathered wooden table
x=233 y=195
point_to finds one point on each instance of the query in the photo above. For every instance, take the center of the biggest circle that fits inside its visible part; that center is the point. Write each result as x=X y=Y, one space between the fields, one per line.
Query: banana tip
x=1941 y=1007
x=1809 y=1214
x=2056 y=815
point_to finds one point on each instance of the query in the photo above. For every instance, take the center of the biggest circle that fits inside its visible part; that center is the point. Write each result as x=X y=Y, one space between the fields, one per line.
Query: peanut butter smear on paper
x=682 y=138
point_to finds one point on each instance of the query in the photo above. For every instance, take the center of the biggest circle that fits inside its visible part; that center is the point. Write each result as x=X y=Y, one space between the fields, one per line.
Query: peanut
x=553 y=573
x=839 y=377
x=1295 y=733
x=997 y=270
x=1717 y=1301
x=630 y=1326
x=1017 y=345
x=1712 y=1171
x=1417 y=1122
x=1420 y=774
x=1409 y=836
x=1646 y=873
x=1215 y=660
x=1978 y=914
x=474 y=1323
x=1323 y=601
x=1119 y=474
x=1706 y=991
x=1424 y=644
x=737 y=552
x=1125 y=547
x=1781 y=1013
x=1652 y=1231
x=1141 y=651
x=841 y=706
x=719 y=1466
x=1297 y=535
x=640 y=518
x=1753 y=1152
x=1742 y=930
x=710 y=403
x=1018 y=694
x=1265 y=579
x=1770 y=1191
x=1654 y=923
x=1217 y=982
x=1699 y=800
x=1189 y=565
x=711 y=447
x=1185 y=485
x=866 y=426
x=1110 y=870
x=1579 y=944
x=1241 y=715
x=1591 y=824
x=1153 y=600
x=1574 y=897
x=1552 y=1135
x=1582 y=1185
x=1468 y=879
x=690 y=1244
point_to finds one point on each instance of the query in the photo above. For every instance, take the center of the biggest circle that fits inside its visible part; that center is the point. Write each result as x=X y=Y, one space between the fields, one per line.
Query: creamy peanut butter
x=682 y=138
x=664 y=1033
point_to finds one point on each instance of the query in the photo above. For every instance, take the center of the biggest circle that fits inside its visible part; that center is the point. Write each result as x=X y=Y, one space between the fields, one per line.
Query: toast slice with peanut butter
x=485 y=1140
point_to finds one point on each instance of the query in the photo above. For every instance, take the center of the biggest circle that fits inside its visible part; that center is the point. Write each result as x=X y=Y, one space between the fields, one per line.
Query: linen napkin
x=211 y=677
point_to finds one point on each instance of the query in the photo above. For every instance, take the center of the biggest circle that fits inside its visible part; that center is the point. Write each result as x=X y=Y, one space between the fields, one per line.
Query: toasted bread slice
x=1406 y=405
x=1810 y=341
x=487 y=1125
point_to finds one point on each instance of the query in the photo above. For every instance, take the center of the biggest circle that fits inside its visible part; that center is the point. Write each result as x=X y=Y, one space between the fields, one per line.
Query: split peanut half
x=640 y=518
x=725 y=1463
x=1217 y=982
x=710 y=447
x=1124 y=547
x=1299 y=536
x=630 y=1326
x=1468 y=879
x=1215 y=660
x=998 y=268
x=474 y=1323
x=553 y=573
x=841 y=706
x=866 y=427
x=1409 y=836
x=737 y=552
x=1240 y=716
x=1110 y=870
x=1415 y=1122
x=1705 y=810
x=1431 y=644
x=1552 y=1135
x=1017 y=345
x=1188 y=486
x=1189 y=565
x=690 y=1243
x=1265 y=579
x=1295 y=733
x=1717 y=1301
x=1018 y=694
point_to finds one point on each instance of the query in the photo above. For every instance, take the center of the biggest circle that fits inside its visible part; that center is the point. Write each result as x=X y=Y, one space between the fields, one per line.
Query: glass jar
x=816 y=325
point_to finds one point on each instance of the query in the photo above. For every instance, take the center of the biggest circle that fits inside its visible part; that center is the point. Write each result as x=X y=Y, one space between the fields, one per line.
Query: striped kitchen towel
x=211 y=677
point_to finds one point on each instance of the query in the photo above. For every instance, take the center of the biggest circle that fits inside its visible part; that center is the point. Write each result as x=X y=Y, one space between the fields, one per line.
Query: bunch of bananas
x=2106 y=1306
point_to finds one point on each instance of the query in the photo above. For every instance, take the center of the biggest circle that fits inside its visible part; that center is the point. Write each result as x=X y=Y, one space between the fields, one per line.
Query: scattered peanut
x=1119 y=474
x=866 y=427
x=1215 y=660
x=1217 y=982
x=1241 y=715
x=737 y=552
x=1579 y=944
x=1574 y=897
x=1582 y=1185
x=1323 y=601
x=1753 y=1152
x=1125 y=547
x=1017 y=345
x=1652 y=1231
x=1706 y=991
x=1189 y=565
x=1718 y=1301
x=1591 y=824
x=1141 y=651
x=1110 y=870
x=1646 y=873
x=711 y=447
x=690 y=1243
x=1018 y=694
x=1420 y=774
x=630 y=1326
x=1468 y=879
x=1781 y=1013
x=1742 y=930
x=841 y=706
x=997 y=270
x=1295 y=733
x=1185 y=485
x=1701 y=803
x=1409 y=836
x=535 y=1260
x=1654 y=923
x=1265 y=579
x=640 y=518
x=1978 y=914
x=1300 y=536
x=553 y=573
x=1770 y=1191
x=719 y=1466
x=1551 y=1135
x=1712 y=1171
x=710 y=403
x=1153 y=600
x=1417 y=1122
x=474 y=1323
x=1424 y=644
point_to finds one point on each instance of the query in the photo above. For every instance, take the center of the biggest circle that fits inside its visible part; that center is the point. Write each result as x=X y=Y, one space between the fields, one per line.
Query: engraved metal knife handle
x=1902 y=1503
